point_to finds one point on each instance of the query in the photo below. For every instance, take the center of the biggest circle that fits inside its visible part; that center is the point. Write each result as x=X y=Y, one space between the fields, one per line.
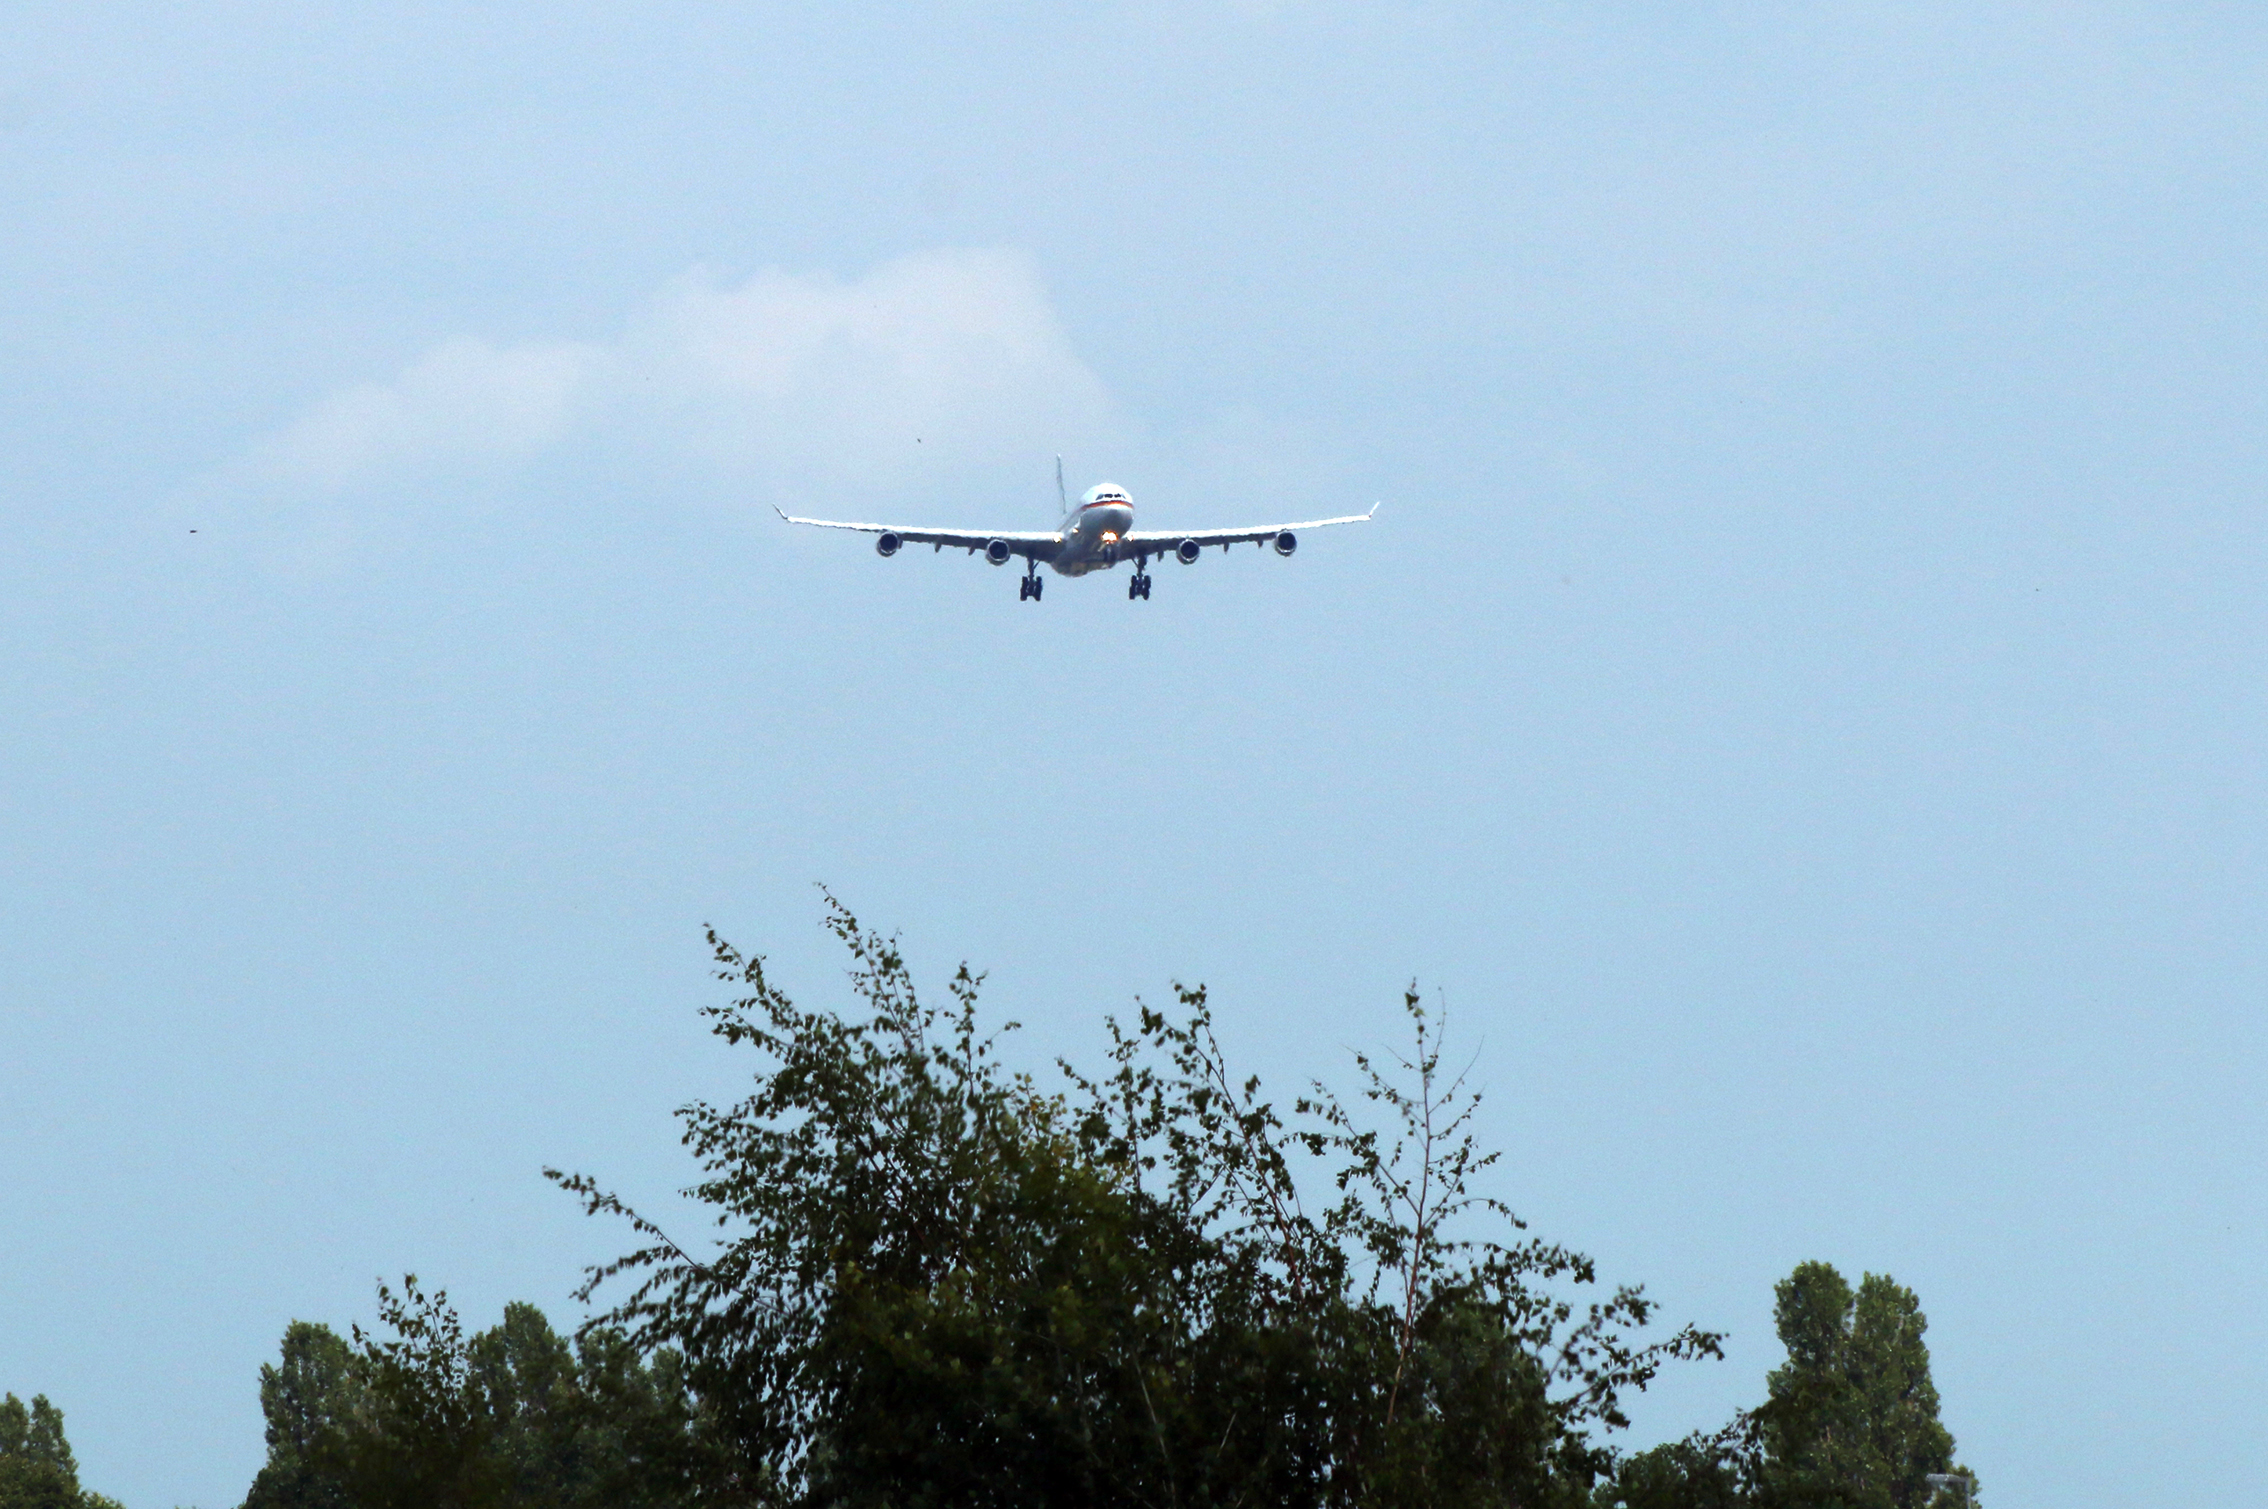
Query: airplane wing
x=1034 y=544
x=1159 y=541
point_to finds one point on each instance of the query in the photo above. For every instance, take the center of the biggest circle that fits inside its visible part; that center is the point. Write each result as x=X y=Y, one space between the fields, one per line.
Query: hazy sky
x=1801 y=702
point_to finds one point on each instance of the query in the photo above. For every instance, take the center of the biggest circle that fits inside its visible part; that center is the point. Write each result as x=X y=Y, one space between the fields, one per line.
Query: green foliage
x=37 y=1470
x=1698 y=1473
x=513 y=1416
x=311 y=1399
x=1852 y=1414
x=1851 y=1421
x=937 y=1284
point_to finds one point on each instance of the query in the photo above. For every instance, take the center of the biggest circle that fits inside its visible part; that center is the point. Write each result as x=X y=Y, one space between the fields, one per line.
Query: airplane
x=1095 y=536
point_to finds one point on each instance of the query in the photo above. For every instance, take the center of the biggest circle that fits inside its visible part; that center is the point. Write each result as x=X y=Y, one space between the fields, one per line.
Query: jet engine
x=997 y=552
x=887 y=543
x=1187 y=552
x=1286 y=542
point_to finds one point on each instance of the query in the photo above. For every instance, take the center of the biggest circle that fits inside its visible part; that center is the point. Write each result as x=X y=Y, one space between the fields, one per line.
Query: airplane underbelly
x=1091 y=544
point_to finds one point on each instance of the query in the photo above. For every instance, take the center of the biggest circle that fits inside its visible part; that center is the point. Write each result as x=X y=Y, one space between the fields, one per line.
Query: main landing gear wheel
x=1029 y=588
x=1139 y=587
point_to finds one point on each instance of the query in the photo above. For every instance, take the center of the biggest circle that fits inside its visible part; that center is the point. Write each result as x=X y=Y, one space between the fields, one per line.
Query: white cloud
x=942 y=361
x=465 y=401
x=810 y=380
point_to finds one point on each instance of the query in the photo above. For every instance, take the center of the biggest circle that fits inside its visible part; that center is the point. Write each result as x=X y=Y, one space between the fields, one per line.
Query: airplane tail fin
x=1061 y=496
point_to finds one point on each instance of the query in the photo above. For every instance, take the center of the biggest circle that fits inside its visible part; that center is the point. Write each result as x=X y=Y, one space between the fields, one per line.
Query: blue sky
x=1801 y=701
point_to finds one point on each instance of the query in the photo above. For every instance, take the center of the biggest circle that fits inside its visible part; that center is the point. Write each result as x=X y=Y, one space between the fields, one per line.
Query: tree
x=1701 y=1472
x=37 y=1469
x=1852 y=1414
x=312 y=1397
x=937 y=1284
x=512 y=1416
x=1851 y=1421
x=588 y=1424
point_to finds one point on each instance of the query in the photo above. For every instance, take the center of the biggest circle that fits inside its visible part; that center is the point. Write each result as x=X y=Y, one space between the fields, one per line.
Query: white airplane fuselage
x=1092 y=530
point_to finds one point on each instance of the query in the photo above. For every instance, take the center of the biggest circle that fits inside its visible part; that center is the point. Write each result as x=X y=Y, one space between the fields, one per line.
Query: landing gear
x=1139 y=587
x=1029 y=588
